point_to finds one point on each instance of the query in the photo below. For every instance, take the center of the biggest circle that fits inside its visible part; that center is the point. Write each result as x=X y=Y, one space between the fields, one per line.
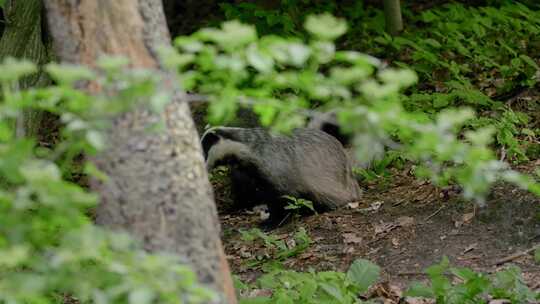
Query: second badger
x=307 y=164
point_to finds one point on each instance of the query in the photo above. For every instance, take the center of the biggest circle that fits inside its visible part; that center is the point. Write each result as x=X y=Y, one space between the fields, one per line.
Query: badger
x=308 y=164
x=328 y=123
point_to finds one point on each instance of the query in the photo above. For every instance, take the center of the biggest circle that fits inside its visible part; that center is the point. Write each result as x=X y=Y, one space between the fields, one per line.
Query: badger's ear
x=334 y=130
x=209 y=139
x=328 y=124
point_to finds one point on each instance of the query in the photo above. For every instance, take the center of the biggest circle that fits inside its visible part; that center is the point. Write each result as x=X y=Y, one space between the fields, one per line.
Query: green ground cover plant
x=50 y=250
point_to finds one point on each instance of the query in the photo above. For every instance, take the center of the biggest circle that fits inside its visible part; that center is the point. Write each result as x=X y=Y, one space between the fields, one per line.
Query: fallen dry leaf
x=353 y=205
x=259 y=293
x=383 y=227
x=351 y=238
x=388 y=292
x=500 y=301
x=405 y=221
x=467 y=217
x=348 y=250
x=471 y=247
x=414 y=300
x=291 y=243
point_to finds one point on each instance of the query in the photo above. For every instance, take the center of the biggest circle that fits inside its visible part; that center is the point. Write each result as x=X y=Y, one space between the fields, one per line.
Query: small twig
x=409 y=273
x=503 y=154
x=383 y=235
x=398 y=256
x=515 y=256
x=284 y=219
x=433 y=214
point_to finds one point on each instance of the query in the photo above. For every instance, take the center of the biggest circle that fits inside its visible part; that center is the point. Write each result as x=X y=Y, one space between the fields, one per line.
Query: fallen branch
x=433 y=214
x=515 y=255
x=411 y=273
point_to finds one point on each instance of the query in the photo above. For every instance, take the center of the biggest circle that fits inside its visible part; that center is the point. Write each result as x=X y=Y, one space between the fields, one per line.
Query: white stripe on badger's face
x=226 y=148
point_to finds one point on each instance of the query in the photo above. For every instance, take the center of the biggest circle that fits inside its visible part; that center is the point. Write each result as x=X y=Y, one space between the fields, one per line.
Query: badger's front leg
x=278 y=214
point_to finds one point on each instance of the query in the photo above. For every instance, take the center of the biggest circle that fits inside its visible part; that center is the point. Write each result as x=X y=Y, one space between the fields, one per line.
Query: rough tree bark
x=392 y=13
x=23 y=37
x=158 y=188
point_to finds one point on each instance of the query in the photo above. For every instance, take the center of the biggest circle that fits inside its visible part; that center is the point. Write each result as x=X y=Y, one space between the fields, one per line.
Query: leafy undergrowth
x=485 y=57
x=482 y=57
x=405 y=227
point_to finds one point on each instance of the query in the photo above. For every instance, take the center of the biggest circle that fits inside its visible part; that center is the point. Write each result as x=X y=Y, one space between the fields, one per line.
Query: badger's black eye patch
x=207 y=142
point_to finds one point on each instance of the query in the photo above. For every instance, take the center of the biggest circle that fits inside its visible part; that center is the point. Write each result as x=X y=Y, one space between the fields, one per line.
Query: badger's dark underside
x=250 y=188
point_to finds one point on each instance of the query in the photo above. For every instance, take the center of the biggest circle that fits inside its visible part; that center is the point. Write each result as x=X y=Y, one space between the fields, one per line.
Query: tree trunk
x=392 y=13
x=158 y=188
x=23 y=38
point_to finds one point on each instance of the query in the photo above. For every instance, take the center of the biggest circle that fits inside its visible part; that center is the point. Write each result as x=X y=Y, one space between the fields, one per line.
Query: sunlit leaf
x=325 y=26
x=13 y=69
x=363 y=274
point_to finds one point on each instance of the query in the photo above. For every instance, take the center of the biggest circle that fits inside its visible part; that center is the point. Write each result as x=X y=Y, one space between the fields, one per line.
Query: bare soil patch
x=404 y=225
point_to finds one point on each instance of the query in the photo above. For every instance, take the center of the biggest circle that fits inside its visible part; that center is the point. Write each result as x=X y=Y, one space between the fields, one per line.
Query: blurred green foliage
x=49 y=247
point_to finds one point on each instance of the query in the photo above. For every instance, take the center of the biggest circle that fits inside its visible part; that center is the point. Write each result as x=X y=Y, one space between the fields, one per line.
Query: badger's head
x=328 y=123
x=224 y=145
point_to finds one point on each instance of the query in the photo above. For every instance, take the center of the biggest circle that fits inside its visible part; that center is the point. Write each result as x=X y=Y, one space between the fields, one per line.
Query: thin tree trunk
x=158 y=188
x=392 y=13
x=23 y=38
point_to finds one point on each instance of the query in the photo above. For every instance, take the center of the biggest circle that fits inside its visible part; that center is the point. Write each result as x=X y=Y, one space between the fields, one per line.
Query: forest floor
x=403 y=225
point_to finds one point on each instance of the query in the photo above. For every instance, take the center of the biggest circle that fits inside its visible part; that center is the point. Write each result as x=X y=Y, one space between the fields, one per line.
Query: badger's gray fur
x=328 y=123
x=308 y=164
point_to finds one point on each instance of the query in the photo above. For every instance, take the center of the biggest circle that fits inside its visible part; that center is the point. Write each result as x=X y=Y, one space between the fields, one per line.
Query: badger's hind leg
x=278 y=214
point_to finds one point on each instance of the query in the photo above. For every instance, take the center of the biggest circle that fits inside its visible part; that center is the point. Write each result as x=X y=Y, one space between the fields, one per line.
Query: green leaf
x=298 y=53
x=141 y=296
x=232 y=35
x=112 y=63
x=349 y=76
x=6 y=131
x=537 y=255
x=267 y=112
x=171 y=59
x=429 y=16
x=432 y=42
x=159 y=100
x=481 y=137
x=14 y=256
x=402 y=78
x=464 y=273
x=188 y=44
x=92 y=170
x=40 y=170
x=13 y=69
x=264 y=63
x=256 y=300
x=325 y=26
x=529 y=61
x=324 y=51
x=418 y=289
x=333 y=291
x=363 y=274
x=441 y=101
x=96 y=139
x=68 y=74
